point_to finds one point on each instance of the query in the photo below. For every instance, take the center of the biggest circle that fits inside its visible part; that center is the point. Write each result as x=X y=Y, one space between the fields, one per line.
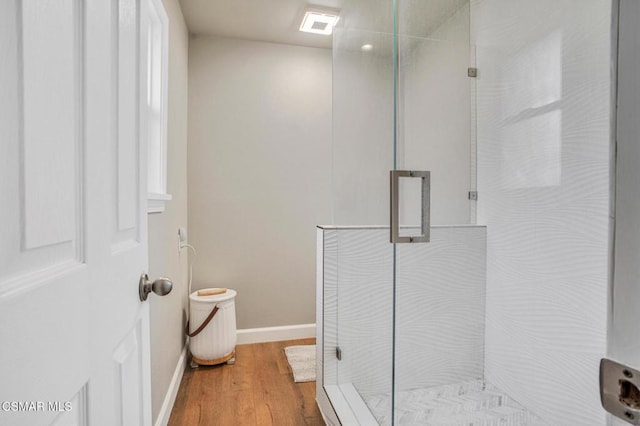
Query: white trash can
x=215 y=343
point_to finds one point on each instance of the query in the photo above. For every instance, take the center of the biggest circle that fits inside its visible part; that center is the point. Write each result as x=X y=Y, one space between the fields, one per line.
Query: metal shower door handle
x=425 y=176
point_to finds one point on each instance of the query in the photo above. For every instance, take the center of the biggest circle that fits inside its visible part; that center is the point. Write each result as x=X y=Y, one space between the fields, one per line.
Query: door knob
x=161 y=286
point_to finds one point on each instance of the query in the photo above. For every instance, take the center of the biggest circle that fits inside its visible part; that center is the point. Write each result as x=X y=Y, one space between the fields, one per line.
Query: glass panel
x=434 y=98
x=363 y=155
x=440 y=328
x=362 y=115
x=357 y=321
x=365 y=308
x=440 y=285
x=328 y=362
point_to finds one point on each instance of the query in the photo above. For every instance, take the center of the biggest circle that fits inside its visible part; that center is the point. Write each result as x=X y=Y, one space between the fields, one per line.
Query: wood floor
x=257 y=390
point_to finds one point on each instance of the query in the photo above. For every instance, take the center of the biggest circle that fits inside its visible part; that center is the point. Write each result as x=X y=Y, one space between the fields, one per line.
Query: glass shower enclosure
x=464 y=279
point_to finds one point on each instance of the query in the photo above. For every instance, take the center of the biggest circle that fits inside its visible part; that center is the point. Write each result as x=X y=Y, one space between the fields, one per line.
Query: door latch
x=620 y=390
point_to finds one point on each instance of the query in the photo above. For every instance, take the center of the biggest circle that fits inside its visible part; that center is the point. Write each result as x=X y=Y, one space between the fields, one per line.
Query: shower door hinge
x=338 y=353
x=473 y=195
x=472 y=72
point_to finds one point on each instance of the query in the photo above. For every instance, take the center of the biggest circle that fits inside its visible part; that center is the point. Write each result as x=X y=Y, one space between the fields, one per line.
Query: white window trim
x=156 y=202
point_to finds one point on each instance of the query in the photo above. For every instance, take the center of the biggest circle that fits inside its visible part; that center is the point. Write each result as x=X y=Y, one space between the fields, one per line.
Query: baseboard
x=172 y=392
x=276 y=334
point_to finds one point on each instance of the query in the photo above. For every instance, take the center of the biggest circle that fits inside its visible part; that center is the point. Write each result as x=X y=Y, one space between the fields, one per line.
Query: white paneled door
x=74 y=335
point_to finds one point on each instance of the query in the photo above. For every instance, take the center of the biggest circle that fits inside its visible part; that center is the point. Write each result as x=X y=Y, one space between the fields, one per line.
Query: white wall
x=259 y=173
x=167 y=313
x=543 y=179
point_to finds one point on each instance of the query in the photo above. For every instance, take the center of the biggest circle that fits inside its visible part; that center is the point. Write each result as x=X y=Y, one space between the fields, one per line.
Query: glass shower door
x=440 y=286
x=358 y=258
x=401 y=102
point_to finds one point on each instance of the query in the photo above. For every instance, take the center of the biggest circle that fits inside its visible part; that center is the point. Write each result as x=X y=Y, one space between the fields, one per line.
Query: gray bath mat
x=302 y=360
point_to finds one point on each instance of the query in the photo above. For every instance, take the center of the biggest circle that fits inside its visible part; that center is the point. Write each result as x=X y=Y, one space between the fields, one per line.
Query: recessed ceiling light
x=319 y=21
x=367 y=47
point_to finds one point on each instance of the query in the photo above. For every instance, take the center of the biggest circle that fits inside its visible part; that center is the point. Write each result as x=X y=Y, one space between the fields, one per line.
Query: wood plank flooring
x=257 y=390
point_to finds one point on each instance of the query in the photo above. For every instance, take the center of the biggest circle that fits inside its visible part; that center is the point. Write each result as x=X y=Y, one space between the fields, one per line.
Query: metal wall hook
x=161 y=286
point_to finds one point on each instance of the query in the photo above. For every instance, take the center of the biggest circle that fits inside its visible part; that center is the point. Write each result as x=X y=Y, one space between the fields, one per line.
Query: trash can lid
x=212 y=298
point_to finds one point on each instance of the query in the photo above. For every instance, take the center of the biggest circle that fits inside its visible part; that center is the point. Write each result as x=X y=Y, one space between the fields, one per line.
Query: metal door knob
x=161 y=286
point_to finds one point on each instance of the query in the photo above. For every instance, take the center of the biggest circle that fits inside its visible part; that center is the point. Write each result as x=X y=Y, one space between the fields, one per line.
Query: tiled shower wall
x=440 y=315
x=543 y=180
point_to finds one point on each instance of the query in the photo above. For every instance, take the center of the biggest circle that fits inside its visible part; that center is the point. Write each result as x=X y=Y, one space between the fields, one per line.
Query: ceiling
x=274 y=21
x=277 y=21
